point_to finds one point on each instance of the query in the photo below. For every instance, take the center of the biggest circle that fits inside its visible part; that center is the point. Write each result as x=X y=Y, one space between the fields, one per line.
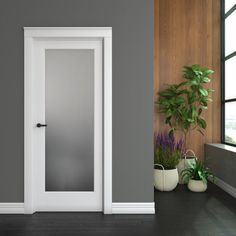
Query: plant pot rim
x=188 y=158
x=165 y=169
x=197 y=180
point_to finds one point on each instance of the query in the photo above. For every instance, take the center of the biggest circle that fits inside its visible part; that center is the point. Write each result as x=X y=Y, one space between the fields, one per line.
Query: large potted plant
x=183 y=105
x=197 y=176
x=167 y=153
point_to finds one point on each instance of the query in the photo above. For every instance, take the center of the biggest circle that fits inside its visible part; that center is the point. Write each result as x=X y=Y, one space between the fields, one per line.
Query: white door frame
x=34 y=33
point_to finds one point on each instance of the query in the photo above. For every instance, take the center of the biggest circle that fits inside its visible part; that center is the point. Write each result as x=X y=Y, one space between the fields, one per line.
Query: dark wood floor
x=177 y=213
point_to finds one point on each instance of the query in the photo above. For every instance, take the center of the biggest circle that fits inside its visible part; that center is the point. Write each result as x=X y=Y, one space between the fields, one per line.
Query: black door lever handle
x=41 y=125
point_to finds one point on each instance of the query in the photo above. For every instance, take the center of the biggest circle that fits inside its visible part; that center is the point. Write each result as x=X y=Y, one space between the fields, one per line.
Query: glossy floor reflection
x=177 y=213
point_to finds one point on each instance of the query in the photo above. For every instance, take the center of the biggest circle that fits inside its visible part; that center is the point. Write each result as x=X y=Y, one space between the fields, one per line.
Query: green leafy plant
x=167 y=151
x=197 y=171
x=183 y=103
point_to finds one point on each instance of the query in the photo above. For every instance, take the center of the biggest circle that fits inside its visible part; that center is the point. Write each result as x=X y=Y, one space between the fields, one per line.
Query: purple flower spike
x=164 y=141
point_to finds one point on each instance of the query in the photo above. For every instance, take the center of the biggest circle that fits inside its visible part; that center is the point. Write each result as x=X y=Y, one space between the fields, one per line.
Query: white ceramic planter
x=166 y=180
x=197 y=186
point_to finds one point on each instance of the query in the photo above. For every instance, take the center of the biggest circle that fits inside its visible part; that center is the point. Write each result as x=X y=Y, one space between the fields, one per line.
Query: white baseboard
x=133 y=208
x=226 y=187
x=11 y=208
x=117 y=208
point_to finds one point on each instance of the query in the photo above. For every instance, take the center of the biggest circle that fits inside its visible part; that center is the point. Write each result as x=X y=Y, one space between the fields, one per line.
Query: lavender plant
x=167 y=151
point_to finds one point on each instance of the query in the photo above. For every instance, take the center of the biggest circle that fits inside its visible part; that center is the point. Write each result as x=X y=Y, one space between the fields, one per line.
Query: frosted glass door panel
x=69 y=82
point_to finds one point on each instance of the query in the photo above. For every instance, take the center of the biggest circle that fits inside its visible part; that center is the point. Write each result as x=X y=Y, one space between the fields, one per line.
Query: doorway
x=68 y=119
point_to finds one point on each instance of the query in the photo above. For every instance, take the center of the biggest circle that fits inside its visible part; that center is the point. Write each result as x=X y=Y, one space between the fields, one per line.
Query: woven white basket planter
x=186 y=163
x=165 y=180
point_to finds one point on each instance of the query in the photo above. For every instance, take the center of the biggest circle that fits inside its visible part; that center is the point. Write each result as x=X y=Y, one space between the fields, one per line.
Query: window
x=229 y=72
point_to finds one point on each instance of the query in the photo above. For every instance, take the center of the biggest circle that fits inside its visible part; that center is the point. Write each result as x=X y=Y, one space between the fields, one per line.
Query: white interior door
x=67 y=118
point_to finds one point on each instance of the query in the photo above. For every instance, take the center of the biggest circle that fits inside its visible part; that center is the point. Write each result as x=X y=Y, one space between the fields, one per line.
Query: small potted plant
x=167 y=153
x=183 y=105
x=197 y=176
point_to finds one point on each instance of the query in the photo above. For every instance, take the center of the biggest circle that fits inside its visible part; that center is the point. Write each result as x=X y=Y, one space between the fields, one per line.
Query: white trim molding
x=32 y=34
x=12 y=208
x=226 y=187
x=133 y=208
x=72 y=32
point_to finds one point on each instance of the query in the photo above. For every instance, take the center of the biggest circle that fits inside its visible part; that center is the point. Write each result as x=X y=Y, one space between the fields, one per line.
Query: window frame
x=224 y=58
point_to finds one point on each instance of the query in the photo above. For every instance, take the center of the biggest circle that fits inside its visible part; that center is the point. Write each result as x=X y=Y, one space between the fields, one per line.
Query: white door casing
x=37 y=40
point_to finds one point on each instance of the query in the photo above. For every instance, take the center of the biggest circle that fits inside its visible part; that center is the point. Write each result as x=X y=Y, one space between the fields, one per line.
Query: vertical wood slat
x=188 y=32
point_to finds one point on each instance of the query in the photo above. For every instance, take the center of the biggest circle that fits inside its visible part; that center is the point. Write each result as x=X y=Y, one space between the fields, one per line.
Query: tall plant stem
x=185 y=141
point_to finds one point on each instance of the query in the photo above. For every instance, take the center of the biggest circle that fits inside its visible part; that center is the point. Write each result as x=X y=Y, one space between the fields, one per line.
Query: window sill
x=223 y=147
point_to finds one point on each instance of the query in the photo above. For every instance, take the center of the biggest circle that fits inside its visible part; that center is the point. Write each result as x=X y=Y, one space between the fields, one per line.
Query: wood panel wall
x=188 y=32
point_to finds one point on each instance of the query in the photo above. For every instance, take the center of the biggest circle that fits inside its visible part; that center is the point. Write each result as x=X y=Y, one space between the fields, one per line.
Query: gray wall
x=132 y=22
x=221 y=159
